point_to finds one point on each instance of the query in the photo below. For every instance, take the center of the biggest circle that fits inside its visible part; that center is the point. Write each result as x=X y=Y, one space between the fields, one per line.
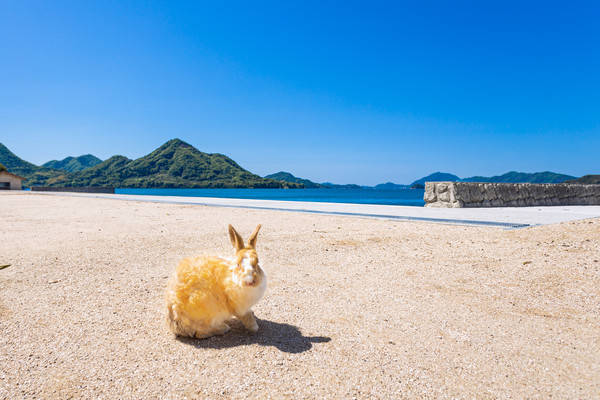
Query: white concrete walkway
x=508 y=217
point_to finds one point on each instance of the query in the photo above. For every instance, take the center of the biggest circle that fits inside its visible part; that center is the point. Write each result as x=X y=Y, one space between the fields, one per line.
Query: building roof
x=10 y=173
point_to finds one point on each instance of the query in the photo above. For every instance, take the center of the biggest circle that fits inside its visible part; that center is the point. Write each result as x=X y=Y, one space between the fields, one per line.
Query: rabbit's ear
x=252 y=239
x=236 y=239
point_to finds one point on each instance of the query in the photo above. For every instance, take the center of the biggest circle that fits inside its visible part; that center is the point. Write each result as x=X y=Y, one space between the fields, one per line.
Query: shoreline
x=503 y=217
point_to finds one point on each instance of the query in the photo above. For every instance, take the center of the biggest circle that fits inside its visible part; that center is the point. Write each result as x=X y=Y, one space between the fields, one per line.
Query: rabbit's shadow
x=285 y=337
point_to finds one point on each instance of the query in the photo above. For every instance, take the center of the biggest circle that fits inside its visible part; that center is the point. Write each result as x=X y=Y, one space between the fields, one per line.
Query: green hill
x=175 y=164
x=33 y=174
x=74 y=164
x=391 y=186
x=287 y=177
x=523 y=177
x=509 y=177
x=107 y=173
x=435 y=177
x=14 y=164
x=330 y=185
x=586 y=179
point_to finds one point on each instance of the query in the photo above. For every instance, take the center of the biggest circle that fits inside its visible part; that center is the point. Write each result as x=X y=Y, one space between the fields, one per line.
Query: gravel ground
x=355 y=308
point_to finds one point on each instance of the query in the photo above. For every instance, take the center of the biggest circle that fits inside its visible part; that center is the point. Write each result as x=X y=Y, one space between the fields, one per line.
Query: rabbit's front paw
x=249 y=322
x=253 y=328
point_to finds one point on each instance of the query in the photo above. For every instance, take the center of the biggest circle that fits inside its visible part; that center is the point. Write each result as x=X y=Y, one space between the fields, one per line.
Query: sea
x=399 y=197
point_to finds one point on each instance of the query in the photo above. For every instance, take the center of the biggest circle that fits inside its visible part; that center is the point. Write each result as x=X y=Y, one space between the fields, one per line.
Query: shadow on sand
x=285 y=337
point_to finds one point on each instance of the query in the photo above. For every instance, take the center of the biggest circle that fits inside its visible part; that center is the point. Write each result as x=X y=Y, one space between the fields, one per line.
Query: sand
x=488 y=216
x=355 y=307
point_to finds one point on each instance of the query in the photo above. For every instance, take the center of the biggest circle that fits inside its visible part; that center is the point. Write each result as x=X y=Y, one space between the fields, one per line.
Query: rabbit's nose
x=251 y=279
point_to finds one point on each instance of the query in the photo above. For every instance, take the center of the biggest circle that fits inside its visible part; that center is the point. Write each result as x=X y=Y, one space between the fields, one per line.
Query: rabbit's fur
x=204 y=292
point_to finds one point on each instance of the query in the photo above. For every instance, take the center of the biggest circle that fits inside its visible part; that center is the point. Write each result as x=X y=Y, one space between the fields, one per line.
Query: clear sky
x=349 y=92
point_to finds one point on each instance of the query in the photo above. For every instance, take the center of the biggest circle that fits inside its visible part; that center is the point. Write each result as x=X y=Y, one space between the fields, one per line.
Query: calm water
x=405 y=197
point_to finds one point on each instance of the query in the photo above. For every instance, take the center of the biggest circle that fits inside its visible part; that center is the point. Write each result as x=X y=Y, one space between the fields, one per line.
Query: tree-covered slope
x=509 y=177
x=108 y=173
x=15 y=164
x=74 y=164
x=287 y=177
x=330 y=185
x=391 y=186
x=435 y=177
x=34 y=175
x=523 y=177
x=586 y=179
x=175 y=164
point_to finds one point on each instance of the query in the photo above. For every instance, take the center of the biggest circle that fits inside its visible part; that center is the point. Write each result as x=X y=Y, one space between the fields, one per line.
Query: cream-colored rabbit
x=204 y=292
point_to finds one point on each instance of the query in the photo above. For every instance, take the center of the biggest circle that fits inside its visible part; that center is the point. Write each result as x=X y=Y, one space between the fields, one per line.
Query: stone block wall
x=476 y=194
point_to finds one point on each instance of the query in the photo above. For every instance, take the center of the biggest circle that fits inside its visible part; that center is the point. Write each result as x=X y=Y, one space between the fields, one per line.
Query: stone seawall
x=476 y=194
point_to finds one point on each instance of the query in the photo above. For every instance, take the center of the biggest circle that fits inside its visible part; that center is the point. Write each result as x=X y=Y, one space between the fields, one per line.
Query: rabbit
x=204 y=292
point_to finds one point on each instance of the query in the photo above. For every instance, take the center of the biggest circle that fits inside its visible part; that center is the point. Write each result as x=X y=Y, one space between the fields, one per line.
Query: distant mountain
x=523 y=177
x=110 y=172
x=435 y=177
x=391 y=186
x=74 y=164
x=509 y=177
x=586 y=179
x=287 y=177
x=330 y=185
x=175 y=164
x=33 y=174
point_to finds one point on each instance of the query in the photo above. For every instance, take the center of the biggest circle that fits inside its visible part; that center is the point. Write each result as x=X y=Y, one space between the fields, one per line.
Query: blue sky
x=361 y=92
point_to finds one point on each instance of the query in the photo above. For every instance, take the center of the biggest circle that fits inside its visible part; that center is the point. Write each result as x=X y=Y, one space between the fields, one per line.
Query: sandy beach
x=355 y=307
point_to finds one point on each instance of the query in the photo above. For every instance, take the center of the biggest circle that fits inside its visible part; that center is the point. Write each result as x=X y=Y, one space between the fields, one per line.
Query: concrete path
x=507 y=217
